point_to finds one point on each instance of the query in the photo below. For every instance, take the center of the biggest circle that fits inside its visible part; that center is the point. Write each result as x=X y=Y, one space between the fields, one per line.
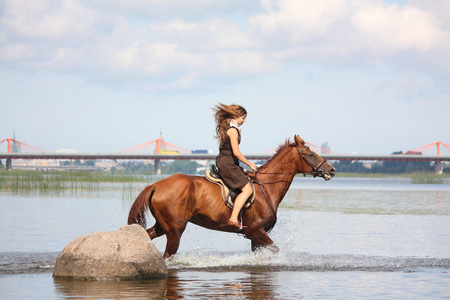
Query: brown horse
x=179 y=199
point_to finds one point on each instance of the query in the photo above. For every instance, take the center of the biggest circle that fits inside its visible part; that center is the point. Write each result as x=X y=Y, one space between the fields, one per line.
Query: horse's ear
x=298 y=140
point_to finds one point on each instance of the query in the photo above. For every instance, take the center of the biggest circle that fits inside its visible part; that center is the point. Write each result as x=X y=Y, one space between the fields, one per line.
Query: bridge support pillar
x=8 y=164
x=438 y=167
x=157 y=166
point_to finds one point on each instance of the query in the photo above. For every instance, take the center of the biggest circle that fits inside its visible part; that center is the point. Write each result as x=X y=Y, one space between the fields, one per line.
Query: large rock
x=127 y=254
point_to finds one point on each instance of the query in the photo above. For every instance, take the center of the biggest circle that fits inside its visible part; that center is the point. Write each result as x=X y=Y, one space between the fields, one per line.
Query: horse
x=179 y=199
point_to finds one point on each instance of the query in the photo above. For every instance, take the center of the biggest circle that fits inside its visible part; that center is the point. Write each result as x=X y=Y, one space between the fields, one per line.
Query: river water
x=347 y=238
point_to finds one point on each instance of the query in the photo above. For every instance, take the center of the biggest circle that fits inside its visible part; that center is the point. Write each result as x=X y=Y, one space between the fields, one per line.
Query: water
x=347 y=238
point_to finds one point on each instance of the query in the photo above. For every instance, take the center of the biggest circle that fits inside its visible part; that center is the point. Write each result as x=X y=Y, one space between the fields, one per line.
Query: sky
x=367 y=76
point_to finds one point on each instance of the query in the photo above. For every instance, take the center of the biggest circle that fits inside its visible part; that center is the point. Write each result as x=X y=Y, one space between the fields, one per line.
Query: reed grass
x=27 y=180
x=20 y=180
x=416 y=178
x=426 y=178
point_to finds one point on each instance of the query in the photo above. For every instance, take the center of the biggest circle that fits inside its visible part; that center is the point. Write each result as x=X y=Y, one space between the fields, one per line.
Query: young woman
x=229 y=119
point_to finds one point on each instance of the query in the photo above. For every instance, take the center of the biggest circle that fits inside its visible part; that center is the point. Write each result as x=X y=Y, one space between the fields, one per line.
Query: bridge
x=167 y=151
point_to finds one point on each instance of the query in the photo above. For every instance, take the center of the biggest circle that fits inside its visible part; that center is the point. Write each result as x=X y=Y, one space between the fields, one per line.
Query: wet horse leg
x=173 y=242
x=260 y=239
x=172 y=223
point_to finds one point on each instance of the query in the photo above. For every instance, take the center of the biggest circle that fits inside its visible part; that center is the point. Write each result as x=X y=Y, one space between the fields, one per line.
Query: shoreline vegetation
x=415 y=177
x=20 y=180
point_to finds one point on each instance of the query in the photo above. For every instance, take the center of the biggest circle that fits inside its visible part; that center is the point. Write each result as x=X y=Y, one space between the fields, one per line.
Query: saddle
x=228 y=195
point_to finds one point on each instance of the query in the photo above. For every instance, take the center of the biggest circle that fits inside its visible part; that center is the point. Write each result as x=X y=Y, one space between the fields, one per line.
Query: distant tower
x=160 y=143
x=325 y=149
x=15 y=147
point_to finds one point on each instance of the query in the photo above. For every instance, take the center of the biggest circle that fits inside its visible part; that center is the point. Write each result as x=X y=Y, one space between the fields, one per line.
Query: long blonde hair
x=223 y=115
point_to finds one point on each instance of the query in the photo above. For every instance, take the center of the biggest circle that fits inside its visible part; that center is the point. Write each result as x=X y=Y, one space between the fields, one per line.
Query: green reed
x=415 y=178
x=427 y=178
x=19 y=180
x=43 y=181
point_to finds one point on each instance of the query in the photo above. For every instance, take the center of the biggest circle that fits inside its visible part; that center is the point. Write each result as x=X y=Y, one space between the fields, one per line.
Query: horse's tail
x=140 y=207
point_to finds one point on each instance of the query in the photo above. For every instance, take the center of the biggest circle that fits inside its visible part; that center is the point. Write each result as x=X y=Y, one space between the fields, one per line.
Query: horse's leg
x=173 y=224
x=260 y=239
x=155 y=231
x=173 y=241
x=256 y=246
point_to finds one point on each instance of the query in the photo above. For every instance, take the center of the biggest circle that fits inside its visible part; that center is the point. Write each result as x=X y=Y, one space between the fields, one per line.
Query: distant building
x=202 y=151
x=325 y=148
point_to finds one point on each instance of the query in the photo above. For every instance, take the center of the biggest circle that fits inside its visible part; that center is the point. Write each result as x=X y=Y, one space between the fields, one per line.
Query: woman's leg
x=240 y=201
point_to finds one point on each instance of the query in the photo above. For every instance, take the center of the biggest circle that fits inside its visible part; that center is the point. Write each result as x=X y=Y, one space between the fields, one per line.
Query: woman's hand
x=253 y=166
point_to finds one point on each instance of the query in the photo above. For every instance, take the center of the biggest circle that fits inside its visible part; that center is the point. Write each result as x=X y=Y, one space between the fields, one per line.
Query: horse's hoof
x=236 y=224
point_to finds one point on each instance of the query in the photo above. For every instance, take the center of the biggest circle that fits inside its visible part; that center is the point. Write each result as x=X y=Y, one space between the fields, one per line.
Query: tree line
x=386 y=167
x=191 y=167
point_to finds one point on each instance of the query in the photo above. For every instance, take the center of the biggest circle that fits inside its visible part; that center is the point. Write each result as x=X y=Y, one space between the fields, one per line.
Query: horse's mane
x=287 y=144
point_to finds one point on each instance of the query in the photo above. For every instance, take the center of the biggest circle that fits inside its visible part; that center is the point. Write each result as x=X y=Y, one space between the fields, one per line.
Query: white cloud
x=153 y=58
x=244 y=62
x=349 y=31
x=388 y=29
x=159 y=10
x=49 y=19
x=439 y=8
x=224 y=35
x=299 y=21
x=16 y=52
x=120 y=41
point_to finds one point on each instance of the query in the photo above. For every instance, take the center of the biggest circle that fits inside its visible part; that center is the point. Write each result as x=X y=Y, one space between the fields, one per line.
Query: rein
x=258 y=181
x=316 y=172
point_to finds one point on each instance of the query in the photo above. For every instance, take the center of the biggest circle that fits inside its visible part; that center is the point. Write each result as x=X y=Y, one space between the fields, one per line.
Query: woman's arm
x=234 y=140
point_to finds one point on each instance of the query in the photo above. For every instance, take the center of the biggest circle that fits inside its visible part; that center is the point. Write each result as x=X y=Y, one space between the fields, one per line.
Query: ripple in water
x=12 y=263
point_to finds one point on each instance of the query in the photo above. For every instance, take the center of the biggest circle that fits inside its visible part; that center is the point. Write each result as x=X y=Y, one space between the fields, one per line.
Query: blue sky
x=368 y=76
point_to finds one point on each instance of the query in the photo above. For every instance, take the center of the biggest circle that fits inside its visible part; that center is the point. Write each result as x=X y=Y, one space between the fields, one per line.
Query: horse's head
x=311 y=163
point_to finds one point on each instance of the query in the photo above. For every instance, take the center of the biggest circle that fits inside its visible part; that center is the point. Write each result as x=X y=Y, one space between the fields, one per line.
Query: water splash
x=287 y=261
x=264 y=261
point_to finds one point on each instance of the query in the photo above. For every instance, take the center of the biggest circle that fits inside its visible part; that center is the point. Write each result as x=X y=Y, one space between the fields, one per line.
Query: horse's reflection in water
x=179 y=285
x=180 y=198
x=216 y=285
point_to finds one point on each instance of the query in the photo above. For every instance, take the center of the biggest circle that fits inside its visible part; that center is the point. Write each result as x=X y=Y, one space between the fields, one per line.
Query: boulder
x=127 y=254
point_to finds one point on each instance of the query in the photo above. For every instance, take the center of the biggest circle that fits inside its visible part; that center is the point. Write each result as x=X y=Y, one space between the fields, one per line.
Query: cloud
x=389 y=29
x=16 y=52
x=365 y=32
x=165 y=10
x=190 y=44
x=49 y=19
x=297 y=22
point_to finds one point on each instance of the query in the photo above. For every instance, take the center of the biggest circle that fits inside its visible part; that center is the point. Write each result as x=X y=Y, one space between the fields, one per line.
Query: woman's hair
x=223 y=115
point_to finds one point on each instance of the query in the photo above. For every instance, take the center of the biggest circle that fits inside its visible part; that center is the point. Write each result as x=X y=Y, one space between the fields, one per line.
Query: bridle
x=316 y=172
x=316 y=169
